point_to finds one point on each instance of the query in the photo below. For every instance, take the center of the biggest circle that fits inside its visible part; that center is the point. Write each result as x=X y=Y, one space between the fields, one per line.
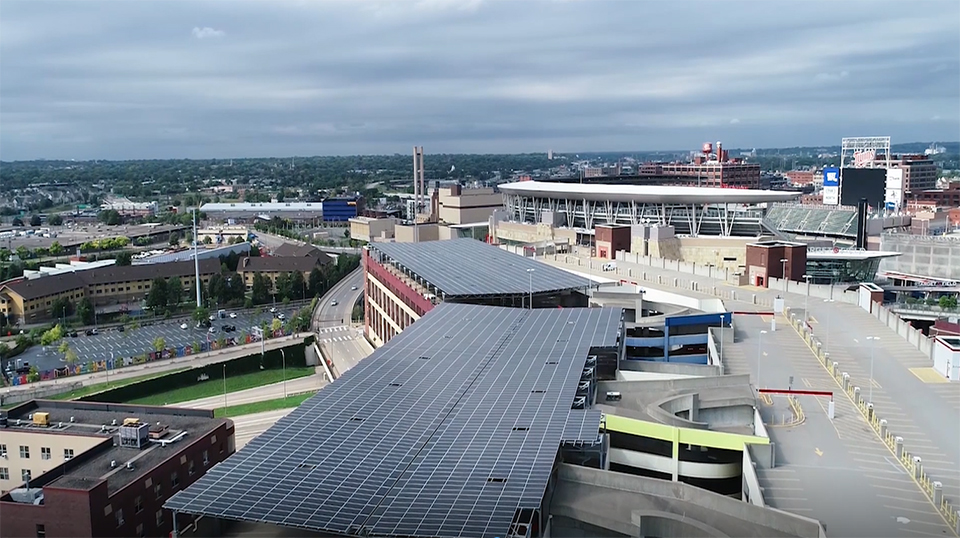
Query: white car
x=273 y=310
x=281 y=317
x=184 y=326
x=334 y=303
x=212 y=317
x=353 y=288
x=233 y=315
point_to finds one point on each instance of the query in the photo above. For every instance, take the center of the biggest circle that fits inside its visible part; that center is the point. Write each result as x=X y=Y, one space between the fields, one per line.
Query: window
x=68 y=453
x=206 y=458
x=160 y=517
x=119 y=514
x=44 y=452
x=4 y=473
x=174 y=480
x=140 y=532
x=41 y=531
x=138 y=504
x=190 y=470
x=158 y=490
x=24 y=452
x=25 y=474
x=3 y=451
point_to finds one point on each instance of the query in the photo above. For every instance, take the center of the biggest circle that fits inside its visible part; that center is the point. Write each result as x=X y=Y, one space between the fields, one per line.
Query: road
x=345 y=293
x=273 y=391
x=112 y=343
x=247 y=427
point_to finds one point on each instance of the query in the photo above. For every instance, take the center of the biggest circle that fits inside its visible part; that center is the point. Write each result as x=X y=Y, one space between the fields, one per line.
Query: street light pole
x=873 y=345
x=783 y=274
x=283 y=368
x=759 y=356
x=530 y=274
x=806 y=300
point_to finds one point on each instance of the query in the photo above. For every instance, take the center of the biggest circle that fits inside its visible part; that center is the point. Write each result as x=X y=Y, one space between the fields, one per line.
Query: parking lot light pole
x=806 y=300
x=759 y=356
x=224 y=389
x=873 y=345
x=283 y=368
x=826 y=342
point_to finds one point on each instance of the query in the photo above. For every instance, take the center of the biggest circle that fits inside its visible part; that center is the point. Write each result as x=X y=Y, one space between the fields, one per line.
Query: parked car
x=281 y=317
x=120 y=329
x=273 y=310
x=233 y=315
x=91 y=332
x=212 y=330
x=212 y=317
x=74 y=334
x=184 y=326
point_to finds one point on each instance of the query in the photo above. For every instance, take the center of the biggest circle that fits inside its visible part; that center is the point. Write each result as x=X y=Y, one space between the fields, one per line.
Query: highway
x=258 y=394
x=250 y=426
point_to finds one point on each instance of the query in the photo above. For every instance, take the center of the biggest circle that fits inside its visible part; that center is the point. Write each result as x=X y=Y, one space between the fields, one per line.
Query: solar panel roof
x=467 y=267
x=447 y=430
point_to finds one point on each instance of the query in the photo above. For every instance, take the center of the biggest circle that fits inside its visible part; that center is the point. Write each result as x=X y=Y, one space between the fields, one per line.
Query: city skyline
x=107 y=80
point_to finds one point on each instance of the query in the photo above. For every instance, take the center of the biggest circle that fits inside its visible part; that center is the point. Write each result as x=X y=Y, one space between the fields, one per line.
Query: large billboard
x=831 y=186
x=869 y=183
x=893 y=196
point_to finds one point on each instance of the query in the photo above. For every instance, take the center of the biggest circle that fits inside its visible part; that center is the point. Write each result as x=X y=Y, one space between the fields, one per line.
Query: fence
x=913 y=464
x=90 y=367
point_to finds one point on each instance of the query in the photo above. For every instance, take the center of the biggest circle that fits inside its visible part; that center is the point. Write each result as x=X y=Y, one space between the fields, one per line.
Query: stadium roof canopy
x=659 y=194
x=467 y=267
x=451 y=429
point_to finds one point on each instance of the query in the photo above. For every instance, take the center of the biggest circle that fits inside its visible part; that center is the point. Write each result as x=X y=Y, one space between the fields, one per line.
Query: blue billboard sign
x=831 y=177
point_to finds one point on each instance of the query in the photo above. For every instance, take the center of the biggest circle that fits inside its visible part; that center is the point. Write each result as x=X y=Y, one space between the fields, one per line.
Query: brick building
x=95 y=469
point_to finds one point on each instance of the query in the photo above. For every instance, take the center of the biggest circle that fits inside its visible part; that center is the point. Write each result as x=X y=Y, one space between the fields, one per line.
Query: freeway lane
x=345 y=296
x=258 y=394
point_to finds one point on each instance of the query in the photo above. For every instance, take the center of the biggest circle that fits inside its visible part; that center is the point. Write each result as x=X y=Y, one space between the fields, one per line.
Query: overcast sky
x=141 y=79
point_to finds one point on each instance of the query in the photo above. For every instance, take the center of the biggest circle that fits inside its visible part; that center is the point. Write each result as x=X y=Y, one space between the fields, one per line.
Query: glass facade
x=842 y=271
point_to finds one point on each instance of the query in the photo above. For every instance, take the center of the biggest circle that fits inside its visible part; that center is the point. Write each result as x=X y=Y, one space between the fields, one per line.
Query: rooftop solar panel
x=467 y=267
x=582 y=426
x=447 y=430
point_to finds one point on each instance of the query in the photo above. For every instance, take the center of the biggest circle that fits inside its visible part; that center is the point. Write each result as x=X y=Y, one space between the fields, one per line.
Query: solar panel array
x=582 y=426
x=447 y=430
x=467 y=267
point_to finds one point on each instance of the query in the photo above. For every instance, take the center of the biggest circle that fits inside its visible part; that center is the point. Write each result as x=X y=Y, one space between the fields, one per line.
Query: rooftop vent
x=113 y=464
x=130 y=466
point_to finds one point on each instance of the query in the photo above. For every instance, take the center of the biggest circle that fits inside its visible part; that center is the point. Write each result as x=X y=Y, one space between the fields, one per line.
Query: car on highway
x=334 y=303
x=184 y=326
x=353 y=288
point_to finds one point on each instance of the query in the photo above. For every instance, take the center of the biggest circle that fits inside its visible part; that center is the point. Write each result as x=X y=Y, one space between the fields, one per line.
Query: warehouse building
x=251 y=211
x=96 y=469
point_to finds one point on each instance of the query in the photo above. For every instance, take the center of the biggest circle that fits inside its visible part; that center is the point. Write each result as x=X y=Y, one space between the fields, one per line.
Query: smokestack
x=423 y=190
x=416 y=168
x=719 y=152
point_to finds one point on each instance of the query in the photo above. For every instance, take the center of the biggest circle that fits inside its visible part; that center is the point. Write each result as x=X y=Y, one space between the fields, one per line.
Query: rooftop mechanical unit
x=134 y=434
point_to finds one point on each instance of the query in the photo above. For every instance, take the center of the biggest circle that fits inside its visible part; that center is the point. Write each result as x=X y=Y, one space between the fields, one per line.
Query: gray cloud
x=208 y=79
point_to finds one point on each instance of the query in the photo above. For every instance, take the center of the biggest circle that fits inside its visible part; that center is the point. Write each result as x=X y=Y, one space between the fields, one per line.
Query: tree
x=174 y=238
x=124 y=258
x=35 y=221
x=109 y=217
x=51 y=336
x=55 y=220
x=174 y=291
x=260 y=290
x=85 y=311
x=17 y=221
x=315 y=282
x=159 y=344
x=56 y=249
x=64 y=346
x=215 y=288
x=281 y=285
x=157 y=298
x=297 y=285
x=948 y=301
x=201 y=314
x=207 y=240
x=62 y=307
x=70 y=355
x=276 y=324
x=23 y=252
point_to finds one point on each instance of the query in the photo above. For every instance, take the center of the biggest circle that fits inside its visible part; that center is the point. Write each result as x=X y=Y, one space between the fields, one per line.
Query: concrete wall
x=681 y=369
x=750 y=489
x=935 y=256
x=721 y=252
x=425 y=232
x=37 y=391
x=903 y=328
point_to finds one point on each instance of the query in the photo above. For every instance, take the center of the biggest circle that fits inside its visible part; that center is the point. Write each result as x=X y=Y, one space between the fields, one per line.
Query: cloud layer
x=211 y=79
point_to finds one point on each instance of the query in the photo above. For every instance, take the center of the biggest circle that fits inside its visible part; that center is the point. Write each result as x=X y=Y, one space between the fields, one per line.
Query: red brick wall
x=76 y=513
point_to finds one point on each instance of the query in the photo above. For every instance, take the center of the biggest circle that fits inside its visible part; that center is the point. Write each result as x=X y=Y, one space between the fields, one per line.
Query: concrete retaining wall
x=38 y=392
x=903 y=328
x=751 y=491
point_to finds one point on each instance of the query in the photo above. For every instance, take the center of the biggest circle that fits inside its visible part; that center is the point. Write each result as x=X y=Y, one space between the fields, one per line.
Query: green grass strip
x=100 y=387
x=214 y=386
x=260 y=407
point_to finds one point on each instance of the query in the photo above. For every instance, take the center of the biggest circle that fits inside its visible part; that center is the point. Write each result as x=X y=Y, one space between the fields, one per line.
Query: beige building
x=225 y=232
x=458 y=205
x=27 y=454
x=407 y=233
x=371 y=229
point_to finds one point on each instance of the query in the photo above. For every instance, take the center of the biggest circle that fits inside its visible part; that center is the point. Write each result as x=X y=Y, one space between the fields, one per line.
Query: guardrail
x=913 y=464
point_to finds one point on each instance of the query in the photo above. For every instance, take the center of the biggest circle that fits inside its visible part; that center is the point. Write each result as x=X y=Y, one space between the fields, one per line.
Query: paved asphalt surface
x=132 y=342
x=926 y=415
x=258 y=394
x=820 y=461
